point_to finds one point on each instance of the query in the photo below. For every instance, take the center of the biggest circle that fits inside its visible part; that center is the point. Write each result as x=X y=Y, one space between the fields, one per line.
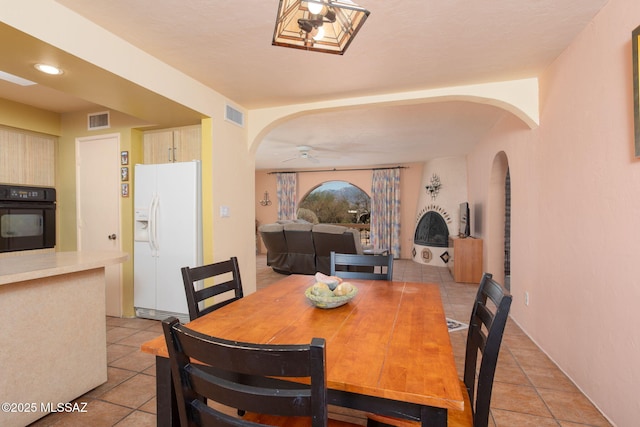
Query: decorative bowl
x=330 y=301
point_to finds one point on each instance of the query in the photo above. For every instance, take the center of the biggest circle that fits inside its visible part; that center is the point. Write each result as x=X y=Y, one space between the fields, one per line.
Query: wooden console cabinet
x=466 y=265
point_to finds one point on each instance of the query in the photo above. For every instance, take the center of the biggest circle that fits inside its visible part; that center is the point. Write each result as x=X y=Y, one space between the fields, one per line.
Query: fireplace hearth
x=432 y=231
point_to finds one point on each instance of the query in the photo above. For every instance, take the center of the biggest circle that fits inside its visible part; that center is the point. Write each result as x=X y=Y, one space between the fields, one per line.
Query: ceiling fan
x=304 y=152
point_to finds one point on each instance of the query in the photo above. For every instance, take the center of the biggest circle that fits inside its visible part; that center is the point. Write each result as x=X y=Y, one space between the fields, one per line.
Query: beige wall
x=576 y=213
x=410 y=185
x=232 y=186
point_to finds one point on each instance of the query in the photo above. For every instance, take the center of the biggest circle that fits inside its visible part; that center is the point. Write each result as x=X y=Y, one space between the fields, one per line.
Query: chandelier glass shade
x=319 y=25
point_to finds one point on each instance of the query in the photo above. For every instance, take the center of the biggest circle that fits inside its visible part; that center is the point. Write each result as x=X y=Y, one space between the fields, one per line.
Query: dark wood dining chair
x=221 y=375
x=486 y=329
x=191 y=275
x=357 y=266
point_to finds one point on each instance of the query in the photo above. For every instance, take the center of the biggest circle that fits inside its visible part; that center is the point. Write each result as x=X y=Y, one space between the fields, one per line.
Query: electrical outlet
x=526 y=298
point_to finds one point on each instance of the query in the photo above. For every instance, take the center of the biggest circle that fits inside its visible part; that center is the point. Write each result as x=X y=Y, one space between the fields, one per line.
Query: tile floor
x=529 y=389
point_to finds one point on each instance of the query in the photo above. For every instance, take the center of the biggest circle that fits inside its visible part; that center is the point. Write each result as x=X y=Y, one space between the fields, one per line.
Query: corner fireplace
x=432 y=231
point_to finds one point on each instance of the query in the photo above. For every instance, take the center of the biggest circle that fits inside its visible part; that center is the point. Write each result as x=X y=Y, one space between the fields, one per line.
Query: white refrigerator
x=167 y=236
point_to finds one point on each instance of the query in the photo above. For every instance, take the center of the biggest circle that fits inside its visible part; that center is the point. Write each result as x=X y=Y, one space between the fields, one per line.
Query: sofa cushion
x=328 y=238
x=300 y=250
x=298 y=226
x=271 y=227
x=356 y=240
x=276 y=244
x=329 y=228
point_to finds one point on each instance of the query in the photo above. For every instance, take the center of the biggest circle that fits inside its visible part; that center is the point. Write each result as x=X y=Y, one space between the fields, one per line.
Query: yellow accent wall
x=206 y=154
x=22 y=116
x=74 y=125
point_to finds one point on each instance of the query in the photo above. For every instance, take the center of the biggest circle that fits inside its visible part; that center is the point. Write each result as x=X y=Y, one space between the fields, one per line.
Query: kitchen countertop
x=36 y=266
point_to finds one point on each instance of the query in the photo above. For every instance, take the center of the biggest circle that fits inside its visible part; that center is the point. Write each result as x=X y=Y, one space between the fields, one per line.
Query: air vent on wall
x=234 y=115
x=98 y=120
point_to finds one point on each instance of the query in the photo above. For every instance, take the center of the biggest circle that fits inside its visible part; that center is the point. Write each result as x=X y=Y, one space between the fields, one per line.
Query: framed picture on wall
x=636 y=90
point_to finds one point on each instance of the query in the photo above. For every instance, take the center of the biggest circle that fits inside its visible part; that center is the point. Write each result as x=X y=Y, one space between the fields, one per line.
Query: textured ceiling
x=404 y=45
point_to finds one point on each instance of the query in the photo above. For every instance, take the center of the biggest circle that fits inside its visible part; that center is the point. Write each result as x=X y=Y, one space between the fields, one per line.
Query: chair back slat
x=253 y=399
x=486 y=329
x=192 y=275
x=218 y=289
x=240 y=375
x=357 y=266
x=246 y=358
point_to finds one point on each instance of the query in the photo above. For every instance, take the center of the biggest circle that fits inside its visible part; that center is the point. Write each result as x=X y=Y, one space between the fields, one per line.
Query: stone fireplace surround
x=431 y=246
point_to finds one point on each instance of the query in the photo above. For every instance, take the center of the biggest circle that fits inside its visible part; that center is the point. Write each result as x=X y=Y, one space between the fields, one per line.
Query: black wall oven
x=27 y=218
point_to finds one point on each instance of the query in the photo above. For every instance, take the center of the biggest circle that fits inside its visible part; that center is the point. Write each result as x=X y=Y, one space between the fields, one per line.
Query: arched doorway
x=507 y=231
x=497 y=256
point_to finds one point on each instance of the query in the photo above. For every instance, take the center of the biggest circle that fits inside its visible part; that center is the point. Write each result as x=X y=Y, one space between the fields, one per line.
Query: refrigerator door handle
x=150 y=224
x=153 y=225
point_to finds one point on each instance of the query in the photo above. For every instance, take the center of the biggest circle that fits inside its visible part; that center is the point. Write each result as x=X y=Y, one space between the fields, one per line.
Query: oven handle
x=27 y=205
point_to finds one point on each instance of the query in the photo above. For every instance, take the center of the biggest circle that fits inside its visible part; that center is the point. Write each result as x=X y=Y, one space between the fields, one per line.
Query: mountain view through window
x=335 y=202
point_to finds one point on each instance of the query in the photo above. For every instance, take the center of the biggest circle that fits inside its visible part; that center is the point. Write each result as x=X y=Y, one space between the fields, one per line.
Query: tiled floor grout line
x=524 y=372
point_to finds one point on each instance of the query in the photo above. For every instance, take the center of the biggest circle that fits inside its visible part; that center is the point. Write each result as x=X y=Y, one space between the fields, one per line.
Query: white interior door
x=98 y=206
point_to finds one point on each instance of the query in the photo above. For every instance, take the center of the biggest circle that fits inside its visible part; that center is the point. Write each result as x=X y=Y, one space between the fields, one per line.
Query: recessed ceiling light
x=48 y=69
x=15 y=79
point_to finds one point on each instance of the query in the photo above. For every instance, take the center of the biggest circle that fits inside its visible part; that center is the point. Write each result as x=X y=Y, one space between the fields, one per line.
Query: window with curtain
x=287 y=195
x=385 y=210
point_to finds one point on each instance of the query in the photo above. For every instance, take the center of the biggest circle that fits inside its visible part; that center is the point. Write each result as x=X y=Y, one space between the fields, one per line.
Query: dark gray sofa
x=304 y=248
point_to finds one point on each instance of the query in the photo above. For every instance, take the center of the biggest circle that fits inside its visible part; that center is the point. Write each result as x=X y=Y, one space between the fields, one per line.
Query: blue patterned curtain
x=286 y=189
x=385 y=210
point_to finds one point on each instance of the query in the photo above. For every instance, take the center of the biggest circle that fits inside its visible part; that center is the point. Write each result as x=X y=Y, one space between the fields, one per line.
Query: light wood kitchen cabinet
x=27 y=158
x=172 y=145
x=466 y=265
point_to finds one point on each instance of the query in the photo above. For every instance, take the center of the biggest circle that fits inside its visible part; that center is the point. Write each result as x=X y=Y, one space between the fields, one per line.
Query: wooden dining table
x=388 y=349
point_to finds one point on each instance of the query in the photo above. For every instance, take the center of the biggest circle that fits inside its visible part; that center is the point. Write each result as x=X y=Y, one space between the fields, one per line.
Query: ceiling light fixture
x=320 y=25
x=48 y=69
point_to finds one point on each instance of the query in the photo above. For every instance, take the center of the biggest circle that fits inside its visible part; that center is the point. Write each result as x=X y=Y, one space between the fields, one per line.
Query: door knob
x=112 y=237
